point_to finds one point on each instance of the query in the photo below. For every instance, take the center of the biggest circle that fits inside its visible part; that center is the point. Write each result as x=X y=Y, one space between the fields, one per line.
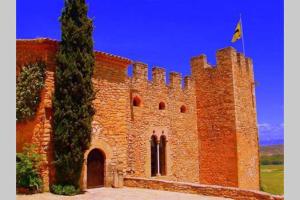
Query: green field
x=272 y=177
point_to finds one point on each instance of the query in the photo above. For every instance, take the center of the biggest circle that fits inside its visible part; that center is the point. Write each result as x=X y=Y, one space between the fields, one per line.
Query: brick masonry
x=214 y=142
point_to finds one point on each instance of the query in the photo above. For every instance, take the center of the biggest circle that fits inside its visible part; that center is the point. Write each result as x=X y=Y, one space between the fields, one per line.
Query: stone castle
x=202 y=131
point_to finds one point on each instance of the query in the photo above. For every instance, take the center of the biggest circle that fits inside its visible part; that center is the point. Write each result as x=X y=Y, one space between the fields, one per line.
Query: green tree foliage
x=29 y=84
x=28 y=163
x=73 y=110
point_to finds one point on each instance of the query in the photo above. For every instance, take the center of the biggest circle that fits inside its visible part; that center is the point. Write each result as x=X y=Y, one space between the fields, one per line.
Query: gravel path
x=120 y=194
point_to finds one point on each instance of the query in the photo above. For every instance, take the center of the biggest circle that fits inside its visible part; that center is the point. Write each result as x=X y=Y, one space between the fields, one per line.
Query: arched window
x=162 y=155
x=154 y=166
x=162 y=106
x=136 y=101
x=182 y=109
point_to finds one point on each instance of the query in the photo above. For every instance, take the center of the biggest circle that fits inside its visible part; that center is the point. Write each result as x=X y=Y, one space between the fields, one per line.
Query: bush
x=68 y=190
x=29 y=84
x=272 y=159
x=28 y=175
x=265 y=162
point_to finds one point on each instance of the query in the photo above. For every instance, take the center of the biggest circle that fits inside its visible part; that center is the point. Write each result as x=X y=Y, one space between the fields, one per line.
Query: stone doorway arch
x=106 y=150
x=95 y=168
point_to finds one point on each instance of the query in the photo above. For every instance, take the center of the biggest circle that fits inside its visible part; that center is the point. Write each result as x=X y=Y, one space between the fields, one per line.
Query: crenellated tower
x=226 y=120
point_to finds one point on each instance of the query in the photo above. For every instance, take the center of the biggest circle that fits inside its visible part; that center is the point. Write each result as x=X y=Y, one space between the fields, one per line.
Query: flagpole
x=242 y=34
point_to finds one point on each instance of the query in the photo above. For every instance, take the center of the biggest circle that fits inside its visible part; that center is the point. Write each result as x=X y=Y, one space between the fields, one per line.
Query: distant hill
x=272 y=150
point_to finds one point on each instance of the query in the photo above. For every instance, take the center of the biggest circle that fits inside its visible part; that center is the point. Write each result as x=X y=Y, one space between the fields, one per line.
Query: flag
x=237 y=33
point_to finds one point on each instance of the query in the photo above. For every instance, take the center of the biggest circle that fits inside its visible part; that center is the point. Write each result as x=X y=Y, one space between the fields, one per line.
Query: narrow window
x=154 y=166
x=162 y=106
x=182 y=109
x=136 y=101
x=162 y=155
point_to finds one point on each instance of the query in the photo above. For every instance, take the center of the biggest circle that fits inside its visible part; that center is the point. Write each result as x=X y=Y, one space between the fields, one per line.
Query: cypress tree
x=73 y=96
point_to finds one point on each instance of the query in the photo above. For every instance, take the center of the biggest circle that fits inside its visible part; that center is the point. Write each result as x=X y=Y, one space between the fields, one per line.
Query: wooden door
x=95 y=169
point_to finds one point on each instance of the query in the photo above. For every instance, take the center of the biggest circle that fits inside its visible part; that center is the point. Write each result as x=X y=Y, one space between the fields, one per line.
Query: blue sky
x=168 y=33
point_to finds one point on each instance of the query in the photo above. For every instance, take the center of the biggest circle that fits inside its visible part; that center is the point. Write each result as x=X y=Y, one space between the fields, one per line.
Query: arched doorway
x=95 y=168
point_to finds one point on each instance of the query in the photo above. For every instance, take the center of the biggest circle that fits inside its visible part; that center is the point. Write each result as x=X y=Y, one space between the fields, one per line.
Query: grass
x=272 y=177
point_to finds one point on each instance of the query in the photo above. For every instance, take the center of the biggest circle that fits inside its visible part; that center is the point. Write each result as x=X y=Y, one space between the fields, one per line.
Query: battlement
x=140 y=74
x=158 y=76
x=201 y=61
x=244 y=63
x=227 y=59
x=140 y=71
x=175 y=80
x=188 y=82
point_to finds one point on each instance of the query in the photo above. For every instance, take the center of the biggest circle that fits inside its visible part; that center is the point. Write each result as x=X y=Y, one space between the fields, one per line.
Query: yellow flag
x=237 y=33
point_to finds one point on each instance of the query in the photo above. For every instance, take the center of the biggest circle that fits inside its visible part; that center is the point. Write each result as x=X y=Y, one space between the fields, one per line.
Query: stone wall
x=193 y=188
x=38 y=130
x=246 y=123
x=180 y=129
x=110 y=127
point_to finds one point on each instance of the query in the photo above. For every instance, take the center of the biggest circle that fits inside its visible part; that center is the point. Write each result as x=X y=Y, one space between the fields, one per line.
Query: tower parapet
x=227 y=59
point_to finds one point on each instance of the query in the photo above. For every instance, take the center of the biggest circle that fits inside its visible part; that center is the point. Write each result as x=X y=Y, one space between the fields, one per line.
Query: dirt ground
x=120 y=194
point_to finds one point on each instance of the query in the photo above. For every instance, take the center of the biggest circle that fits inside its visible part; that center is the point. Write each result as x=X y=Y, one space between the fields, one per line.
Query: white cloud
x=265 y=127
x=270 y=132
